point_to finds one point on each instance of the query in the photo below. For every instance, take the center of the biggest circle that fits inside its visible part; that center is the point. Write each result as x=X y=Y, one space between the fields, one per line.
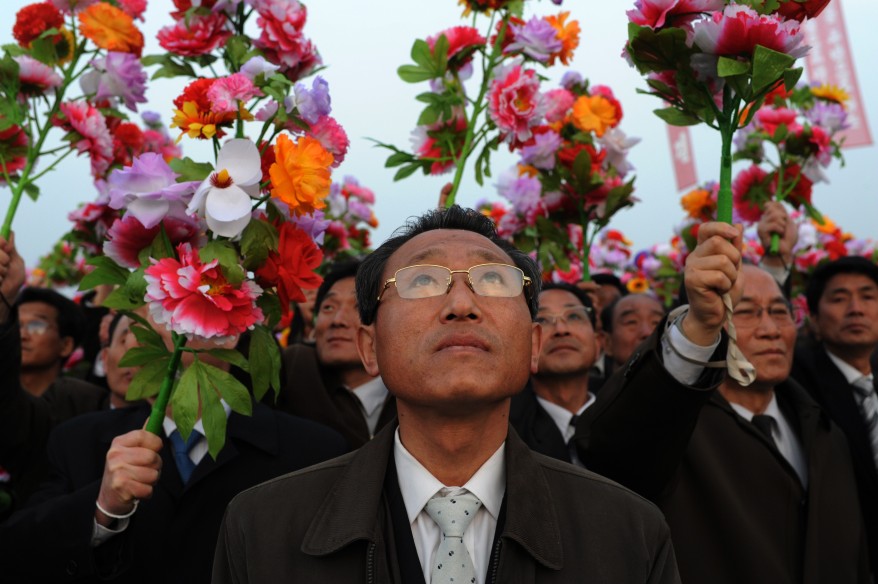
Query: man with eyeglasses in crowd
x=447 y=310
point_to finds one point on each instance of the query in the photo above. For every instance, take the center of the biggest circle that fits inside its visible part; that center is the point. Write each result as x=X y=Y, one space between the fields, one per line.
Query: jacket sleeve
x=664 y=567
x=229 y=566
x=638 y=429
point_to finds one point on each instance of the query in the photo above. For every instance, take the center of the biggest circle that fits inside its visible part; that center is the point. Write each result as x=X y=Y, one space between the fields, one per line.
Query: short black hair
x=607 y=279
x=369 y=281
x=346 y=268
x=824 y=273
x=71 y=319
x=580 y=294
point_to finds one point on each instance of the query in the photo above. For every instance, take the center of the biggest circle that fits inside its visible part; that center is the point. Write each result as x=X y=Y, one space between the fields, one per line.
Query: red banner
x=683 y=156
x=830 y=61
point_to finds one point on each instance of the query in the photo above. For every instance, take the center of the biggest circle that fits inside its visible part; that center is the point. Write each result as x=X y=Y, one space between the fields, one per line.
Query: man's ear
x=67 y=347
x=366 y=348
x=536 y=347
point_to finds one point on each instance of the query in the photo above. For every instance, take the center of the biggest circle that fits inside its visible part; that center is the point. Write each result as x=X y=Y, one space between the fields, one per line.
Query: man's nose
x=460 y=301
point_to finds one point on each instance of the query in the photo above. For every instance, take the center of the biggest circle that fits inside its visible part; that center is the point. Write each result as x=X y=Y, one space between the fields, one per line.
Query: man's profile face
x=453 y=351
x=634 y=318
x=335 y=329
x=848 y=312
x=119 y=378
x=41 y=342
x=569 y=346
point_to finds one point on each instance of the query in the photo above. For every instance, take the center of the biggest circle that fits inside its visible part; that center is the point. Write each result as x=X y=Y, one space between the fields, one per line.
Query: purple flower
x=616 y=144
x=542 y=153
x=258 y=66
x=570 y=80
x=267 y=111
x=832 y=117
x=148 y=191
x=314 y=225
x=116 y=75
x=537 y=39
x=152 y=119
x=314 y=103
x=522 y=191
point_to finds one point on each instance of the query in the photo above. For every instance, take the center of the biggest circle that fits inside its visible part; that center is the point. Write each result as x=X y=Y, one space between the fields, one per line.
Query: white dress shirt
x=372 y=396
x=418 y=486
x=851 y=373
x=784 y=437
x=562 y=416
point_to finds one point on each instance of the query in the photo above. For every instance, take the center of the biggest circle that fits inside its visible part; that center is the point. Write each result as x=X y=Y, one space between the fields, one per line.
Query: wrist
x=107 y=518
x=697 y=332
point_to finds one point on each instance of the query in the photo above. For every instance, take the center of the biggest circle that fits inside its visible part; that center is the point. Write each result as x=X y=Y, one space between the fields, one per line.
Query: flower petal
x=241 y=158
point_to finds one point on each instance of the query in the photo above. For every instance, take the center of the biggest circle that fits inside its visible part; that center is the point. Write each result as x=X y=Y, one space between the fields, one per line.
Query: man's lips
x=462 y=341
x=561 y=347
x=772 y=351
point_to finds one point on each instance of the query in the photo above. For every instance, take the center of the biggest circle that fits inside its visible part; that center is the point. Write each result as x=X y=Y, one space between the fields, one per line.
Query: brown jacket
x=331 y=523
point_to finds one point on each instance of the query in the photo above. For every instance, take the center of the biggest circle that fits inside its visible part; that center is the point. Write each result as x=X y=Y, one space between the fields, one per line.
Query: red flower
x=183 y=6
x=33 y=20
x=773 y=117
x=291 y=267
x=801 y=193
x=282 y=40
x=800 y=10
x=462 y=43
x=197 y=92
x=13 y=151
x=749 y=193
x=568 y=153
x=196 y=36
x=128 y=142
x=432 y=142
x=127 y=237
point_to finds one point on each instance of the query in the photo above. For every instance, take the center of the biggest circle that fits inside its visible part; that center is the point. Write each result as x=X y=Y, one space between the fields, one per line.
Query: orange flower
x=637 y=285
x=594 y=113
x=110 y=28
x=828 y=226
x=699 y=204
x=300 y=174
x=567 y=33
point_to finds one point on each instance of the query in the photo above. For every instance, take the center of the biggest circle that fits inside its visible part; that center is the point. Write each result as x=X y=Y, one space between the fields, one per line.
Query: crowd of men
x=451 y=418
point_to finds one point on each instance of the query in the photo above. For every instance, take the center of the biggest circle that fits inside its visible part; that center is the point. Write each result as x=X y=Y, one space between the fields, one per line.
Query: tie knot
x=181 y=445
x=764 y=424
x=864 y=385
x=453 y=514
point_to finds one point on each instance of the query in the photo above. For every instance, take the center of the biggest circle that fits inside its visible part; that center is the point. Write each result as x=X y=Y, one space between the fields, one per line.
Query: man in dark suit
x=626 y=323
x=836 y=369
x=327 y=382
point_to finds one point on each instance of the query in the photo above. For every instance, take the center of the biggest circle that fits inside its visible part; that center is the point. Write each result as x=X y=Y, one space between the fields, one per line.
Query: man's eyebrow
x=433 y=253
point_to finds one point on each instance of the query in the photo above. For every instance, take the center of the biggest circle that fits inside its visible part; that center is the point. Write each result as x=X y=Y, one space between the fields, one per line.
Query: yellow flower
x=594 y=113
x=110 y=28
x=300 y=174
x=204 y=125
x=567 y=33
x=831 y=93
x=637 y=285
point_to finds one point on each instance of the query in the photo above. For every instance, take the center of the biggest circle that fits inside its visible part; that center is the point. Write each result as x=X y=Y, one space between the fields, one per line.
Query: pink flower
x=225 y=94
x=558 y=104
x=332 y=137
x=749 y=191
x=659 y=13
x=195 y=36
x=737 y=30
x=133 y=8
x=195 y=299
x=772 y=117
x=70 y=6
x=514 y=101
x=127 y=237
x=282 y=40
x=94 y=136
x=462 y=43
x=35 y=77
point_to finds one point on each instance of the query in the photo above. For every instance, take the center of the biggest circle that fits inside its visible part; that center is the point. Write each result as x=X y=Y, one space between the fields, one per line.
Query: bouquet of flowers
x=349 y=219
x=658 y=270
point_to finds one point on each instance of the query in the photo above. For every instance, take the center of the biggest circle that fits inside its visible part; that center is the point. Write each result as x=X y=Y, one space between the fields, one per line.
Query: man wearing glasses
x=450 y=494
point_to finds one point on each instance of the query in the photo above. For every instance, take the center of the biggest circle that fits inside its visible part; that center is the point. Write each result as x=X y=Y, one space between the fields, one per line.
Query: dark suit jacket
x=314 y=392
x=813 y=368
x=332 y=523
x=737 y=510
x=171 y=537
x=535 y=426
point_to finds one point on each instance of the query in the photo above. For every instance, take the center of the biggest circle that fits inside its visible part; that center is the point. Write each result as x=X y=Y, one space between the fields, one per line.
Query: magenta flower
x=35 y=77
x=515 y=104
x=541 y=154
x=558 y=104
x=332 y=137
x=118 y=75
x=537 y=39
x=281 y=39
x=737 y=30
x=312 y=103
x=149 y=191
x=127 y=237
x=195 y=299
x=195 y=36
x=225 y=93
x=94 y=136
x=659 y=13
x=71 y=6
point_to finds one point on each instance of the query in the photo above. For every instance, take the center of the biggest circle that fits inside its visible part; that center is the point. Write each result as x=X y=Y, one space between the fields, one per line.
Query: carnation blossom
x=300 y=174
x=35 y=77
x=462 y=43
x=432 y=142
x=523 y=192
x=127 y=237
x=541 y=153
x=95 y=139
x=256 y=66
x=110 y=28
x=801 y=9
x=148 y=190
x=558 y=104
x=224 y=198
x=196 y=299
x=116 y=75
x=514 y=101
x=737 y=30
x=71 y=6
x=332 y=137
x=196 y=35
x=568 y=34
x=281 y=39
x=312 y=103
x=661 y=13
x=537 y=39
x=291 y=267
x=749 y=190
x=35 y=19
x=193 y=115
x=228 y=94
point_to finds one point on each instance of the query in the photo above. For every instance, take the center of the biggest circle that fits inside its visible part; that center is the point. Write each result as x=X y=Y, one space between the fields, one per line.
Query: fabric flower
x=228 y=94
x=541 y=153
x=749 y=191
x=432 y=142
x=537 y=39
x=568 y=34
x=773 y=117
x=463 y=41
x=300 y=174
x=71 y=6
x=523 y=192
x=801 y=192
x=594 y=113
x=197 y=35
x=281 y=39
x=133 y=8
x=193 y=115
x=35 y=77
x=116 y=75
x=312 y=103
x=148 y=190
x=195 y=299
x=832 y=117
x=127 y=237
x=256 y=66
x=224 y=198
x=801 y=9
x=94 y=136
x=700 y=203
x=291 y=268
x=110 y=28
x=332 y=137
x=558 y=104
x=737 y=30
x=33 y=20
x=314 y=225
x=514 y=101
x=616 y=144
x=13 y=151
x=660 y=13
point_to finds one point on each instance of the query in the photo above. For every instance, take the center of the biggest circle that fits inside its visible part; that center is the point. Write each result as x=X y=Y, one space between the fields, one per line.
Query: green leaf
x=406 y=171
x=188 y=169
x=421 y=54
x=414 y=74
x=184 y=400
x=581 y=171
x=106 y=272
x=397 y=159
x=146 y=336
x=270 y=306
x=171 y=69
x=727 y=67
x=43 y=50
x=440 y=55
x=32 y=190
x=150 y=60
x=232 y=391
x=137 y=356
x=231 y=356
x=148 y=379
x=225 y=253
x=768 y=67
x=429 y=116
x=791 y=77
x=662 y=50
x=236 y=48
x=130 y=295
x=213 y=415
x=675 y=117
x=14 y=50
x=262 y=362
x=257 y=240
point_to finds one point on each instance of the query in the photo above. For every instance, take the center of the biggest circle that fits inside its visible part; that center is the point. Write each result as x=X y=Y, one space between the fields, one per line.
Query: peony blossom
x=94 y=136
x=148 y=190
x=537 y=39
x=332 y=137
x=110 y=28
x=35 y=77
x=300 y=174
x=224 y=198
x=195 y=36
x=128 y=237
x=228 y=94
x=116 y=75
x=661 y=13
x=312 y=103
x=195 y=298
x=514 y=101
x=291 y=268
x=801 y=9
x=737 y=30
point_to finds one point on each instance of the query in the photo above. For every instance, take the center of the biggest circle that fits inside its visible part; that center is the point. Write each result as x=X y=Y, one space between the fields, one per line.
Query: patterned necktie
x=868 y=402
x=453 y=514
x=181 y=452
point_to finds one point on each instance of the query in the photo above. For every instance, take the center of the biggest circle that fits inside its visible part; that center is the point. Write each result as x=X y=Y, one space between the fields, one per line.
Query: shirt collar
x=170 y=425
x=562 y=416
x=371 y=394
x=772 y=409
x=418 y=485
x=851 y=373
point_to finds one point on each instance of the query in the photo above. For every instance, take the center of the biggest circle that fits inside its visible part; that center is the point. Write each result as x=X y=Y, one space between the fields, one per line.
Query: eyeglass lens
x=497 y=280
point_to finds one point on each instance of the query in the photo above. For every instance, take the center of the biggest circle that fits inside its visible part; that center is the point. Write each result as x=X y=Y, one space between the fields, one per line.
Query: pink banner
x=683 y=156
x=830 y=61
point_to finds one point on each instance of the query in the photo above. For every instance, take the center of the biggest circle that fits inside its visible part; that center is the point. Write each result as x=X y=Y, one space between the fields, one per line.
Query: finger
x=137 y=456
x=717 y=229
x=139 y=438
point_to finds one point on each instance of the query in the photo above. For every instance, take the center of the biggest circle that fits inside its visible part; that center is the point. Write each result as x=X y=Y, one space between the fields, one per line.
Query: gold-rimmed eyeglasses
x=750 y=315
x=427 y=281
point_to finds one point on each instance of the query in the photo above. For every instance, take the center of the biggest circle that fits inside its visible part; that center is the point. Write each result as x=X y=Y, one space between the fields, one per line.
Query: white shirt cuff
x=100 y=534
x=684 y=371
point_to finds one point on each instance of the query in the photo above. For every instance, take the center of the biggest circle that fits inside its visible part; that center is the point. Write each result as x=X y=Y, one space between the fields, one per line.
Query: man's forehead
x=849 y=281
x=39 y=309
x=445 y=246
x=636 y=303
x=564 y=298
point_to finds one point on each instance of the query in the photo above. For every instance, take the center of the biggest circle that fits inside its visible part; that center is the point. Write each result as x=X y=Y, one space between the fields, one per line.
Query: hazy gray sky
x=363 y=43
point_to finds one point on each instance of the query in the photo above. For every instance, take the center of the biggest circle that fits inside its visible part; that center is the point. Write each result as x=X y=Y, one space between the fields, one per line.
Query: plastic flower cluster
x=801 y=128
x=507 y=105
x=343 y=229
x=222 y=248
x=62 y=44
x=658 y=270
